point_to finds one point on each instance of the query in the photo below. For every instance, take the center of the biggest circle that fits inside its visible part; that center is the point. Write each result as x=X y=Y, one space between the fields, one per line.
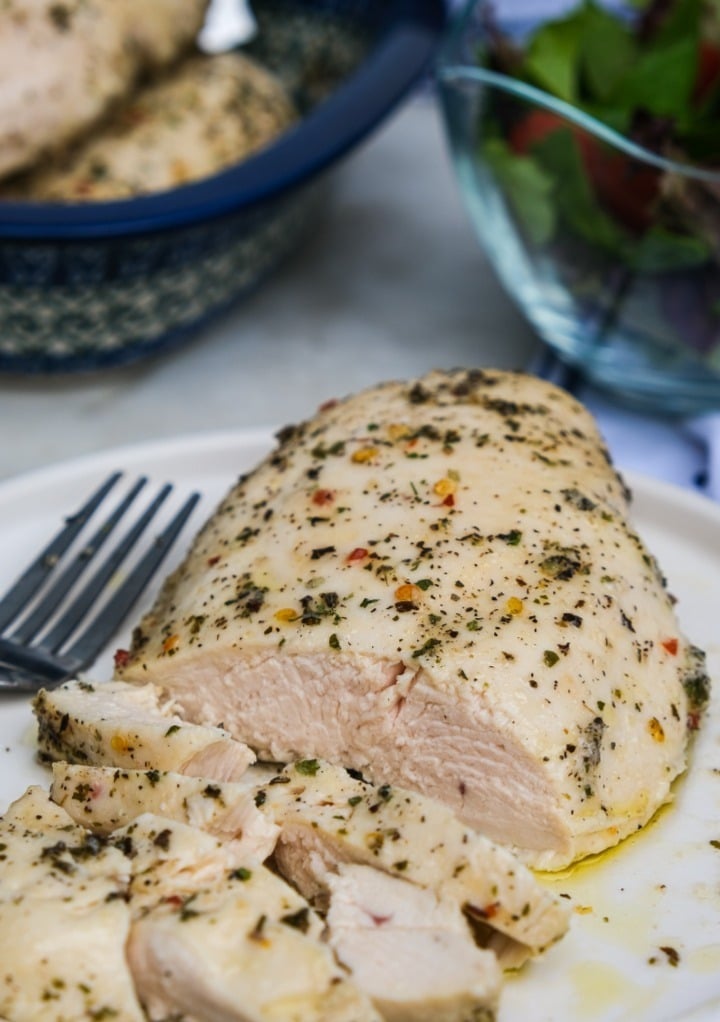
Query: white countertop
x=391 y=284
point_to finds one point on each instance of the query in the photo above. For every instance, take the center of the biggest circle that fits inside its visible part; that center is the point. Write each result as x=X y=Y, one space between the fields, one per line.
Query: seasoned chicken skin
x=437 y=583
x=62 y=65
x=198 y=118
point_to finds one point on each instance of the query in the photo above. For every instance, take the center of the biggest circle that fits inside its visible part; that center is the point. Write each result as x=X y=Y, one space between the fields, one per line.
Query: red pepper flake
x=670 y=645
x=327 y=405
x=449 y=501
x=357 y=554
x=211 y=561
x=121 y=658
x=323 y=497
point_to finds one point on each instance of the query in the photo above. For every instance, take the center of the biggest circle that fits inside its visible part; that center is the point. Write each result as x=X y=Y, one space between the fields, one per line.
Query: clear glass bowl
x=617 y=294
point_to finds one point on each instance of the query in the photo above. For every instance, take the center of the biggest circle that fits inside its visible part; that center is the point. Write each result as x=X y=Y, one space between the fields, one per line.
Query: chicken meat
x=114 y=724
x=63 y=65
x=198 y=118
x=412 y=952
x=64 y=919
x=218 y=936
x=104 y=799
x=318 y=817
x=437 y=583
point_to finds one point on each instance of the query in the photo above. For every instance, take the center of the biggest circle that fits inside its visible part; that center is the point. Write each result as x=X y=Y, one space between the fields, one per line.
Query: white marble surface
x=392 y=283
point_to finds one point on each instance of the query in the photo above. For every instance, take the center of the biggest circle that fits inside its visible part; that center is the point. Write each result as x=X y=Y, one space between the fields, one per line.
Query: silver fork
x=51 y=625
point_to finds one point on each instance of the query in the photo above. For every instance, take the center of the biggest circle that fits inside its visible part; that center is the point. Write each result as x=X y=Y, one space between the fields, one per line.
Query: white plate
x=661 y=889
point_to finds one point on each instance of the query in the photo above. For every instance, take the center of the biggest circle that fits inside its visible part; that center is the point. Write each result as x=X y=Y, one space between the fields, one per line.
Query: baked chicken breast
x=438 y=583
x=203 y=115
x=63 y=65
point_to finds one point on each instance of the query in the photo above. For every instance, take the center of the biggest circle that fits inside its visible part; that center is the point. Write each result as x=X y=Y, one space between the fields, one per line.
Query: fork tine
x=32 y=578
x=24 y=670
x=83 y=602
x=65 y=581
x=103 y=627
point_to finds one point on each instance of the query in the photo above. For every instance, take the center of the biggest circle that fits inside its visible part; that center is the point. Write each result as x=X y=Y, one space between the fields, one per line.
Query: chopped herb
x=427 y=647
x=299 y=920
x=322 y=551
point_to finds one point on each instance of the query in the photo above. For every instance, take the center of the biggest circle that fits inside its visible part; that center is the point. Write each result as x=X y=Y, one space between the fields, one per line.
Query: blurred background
x=336 y=255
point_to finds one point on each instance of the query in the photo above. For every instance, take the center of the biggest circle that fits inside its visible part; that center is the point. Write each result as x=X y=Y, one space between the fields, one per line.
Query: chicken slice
x=63 y=65
x=216 y=937
x=438 y=583
x=411 y=951
x=64 y=919
x=172 y=860
x=105 y=799
x=328 y=817
x=224 y=959
x=114 y=724
x=204 y=115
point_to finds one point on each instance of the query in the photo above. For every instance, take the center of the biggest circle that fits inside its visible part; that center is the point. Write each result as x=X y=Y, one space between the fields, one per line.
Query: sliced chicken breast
x=105 y=799
x=437 y=583
x=215 y=938
x=319 y=816
x=314 y=817
x=120 y=725
x=62 y=65
x=224 y=958
x=200 y=117
x=409 y=950
x=328 y=817
x=64 y=920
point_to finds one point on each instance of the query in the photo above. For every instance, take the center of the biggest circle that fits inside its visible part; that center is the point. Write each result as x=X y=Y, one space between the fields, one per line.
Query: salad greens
x=651 y=73
x=615 y=65
x=625 y=235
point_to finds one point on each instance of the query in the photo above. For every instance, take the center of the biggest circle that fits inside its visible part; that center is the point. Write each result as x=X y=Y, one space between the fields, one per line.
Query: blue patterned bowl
x=85 y=287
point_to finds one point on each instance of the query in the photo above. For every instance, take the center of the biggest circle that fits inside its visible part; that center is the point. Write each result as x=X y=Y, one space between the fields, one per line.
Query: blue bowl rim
x=451 y=68
x=403 y=53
